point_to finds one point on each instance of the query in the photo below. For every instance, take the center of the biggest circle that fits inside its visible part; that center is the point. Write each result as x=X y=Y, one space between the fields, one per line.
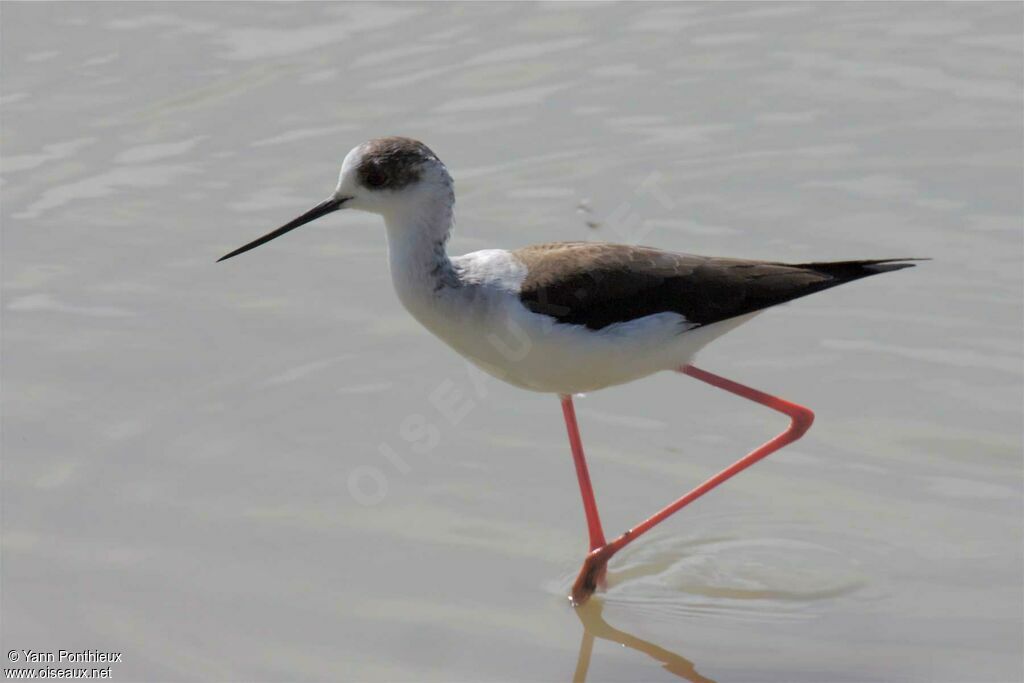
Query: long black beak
x=322 y=209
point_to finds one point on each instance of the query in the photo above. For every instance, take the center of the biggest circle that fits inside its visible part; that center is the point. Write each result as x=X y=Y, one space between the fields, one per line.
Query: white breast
x=483 y=319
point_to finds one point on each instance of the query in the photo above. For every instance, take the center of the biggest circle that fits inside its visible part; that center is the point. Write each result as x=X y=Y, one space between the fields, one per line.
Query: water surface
x=241 y=472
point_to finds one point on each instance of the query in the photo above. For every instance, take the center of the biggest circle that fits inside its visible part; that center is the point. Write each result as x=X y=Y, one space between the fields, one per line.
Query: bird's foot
x=592 y=574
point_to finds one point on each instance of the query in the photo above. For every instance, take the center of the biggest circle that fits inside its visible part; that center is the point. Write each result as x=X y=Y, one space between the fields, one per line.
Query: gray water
x=240 y=471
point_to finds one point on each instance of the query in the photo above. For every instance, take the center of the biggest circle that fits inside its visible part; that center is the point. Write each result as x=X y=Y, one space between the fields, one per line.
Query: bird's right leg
x=594 y=566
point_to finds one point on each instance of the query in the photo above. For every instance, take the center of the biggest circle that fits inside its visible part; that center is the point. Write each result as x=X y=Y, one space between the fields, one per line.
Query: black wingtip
x=887 y=265
x=853 y=269
x=848 y=271
x=876 y=268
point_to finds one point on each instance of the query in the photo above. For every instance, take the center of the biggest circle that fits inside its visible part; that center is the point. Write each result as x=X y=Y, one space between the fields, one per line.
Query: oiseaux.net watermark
x=62 y=664
x=455 y=398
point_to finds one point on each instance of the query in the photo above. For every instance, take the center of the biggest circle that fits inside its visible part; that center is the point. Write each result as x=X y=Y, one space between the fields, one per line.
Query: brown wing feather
x=599 y=284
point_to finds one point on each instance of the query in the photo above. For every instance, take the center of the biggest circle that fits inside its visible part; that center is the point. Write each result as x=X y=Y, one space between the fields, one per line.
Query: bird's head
x=382 y=175
x=388 y=176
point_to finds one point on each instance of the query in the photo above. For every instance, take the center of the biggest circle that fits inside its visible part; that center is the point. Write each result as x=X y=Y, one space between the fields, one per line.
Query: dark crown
x=393 y=163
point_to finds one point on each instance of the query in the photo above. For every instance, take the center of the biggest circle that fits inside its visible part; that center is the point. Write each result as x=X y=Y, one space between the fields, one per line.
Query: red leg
x=800 y=421
x=586 y=490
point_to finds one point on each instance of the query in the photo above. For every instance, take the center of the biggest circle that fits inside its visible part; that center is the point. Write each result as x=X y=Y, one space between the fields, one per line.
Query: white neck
x=417 y=233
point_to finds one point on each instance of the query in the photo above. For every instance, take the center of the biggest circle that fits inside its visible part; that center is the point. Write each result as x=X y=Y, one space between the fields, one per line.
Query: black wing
x=596 y=285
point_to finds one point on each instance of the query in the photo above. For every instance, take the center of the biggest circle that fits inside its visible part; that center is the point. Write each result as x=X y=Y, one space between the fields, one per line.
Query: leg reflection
x=594 y=626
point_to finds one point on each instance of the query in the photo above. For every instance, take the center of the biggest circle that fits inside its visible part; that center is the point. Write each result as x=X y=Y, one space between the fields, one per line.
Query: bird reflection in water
x=594 y=626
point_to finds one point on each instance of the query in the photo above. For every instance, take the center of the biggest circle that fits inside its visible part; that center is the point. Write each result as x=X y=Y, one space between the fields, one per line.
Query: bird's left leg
x=586 y=489
x=800 y=421
x=598 y=544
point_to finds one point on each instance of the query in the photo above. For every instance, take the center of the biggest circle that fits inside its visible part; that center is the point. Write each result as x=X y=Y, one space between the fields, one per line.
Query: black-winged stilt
x=586 y=315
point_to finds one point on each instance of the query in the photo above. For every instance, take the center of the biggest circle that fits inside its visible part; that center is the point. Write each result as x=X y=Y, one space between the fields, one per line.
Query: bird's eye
x=374 y=178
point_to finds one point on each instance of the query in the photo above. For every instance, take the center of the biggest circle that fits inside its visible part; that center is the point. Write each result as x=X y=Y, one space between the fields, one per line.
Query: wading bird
x=586 y=315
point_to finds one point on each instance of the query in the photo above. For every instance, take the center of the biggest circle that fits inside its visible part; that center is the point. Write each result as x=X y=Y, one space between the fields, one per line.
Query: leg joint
x=802 y=419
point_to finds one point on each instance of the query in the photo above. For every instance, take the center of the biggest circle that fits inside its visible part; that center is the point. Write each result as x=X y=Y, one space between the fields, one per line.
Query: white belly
x=479 y=314
x=535 y=352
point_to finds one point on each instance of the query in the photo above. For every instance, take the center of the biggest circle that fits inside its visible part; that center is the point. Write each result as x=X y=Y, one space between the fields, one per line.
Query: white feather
x=483 y=319
x=472 y=302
